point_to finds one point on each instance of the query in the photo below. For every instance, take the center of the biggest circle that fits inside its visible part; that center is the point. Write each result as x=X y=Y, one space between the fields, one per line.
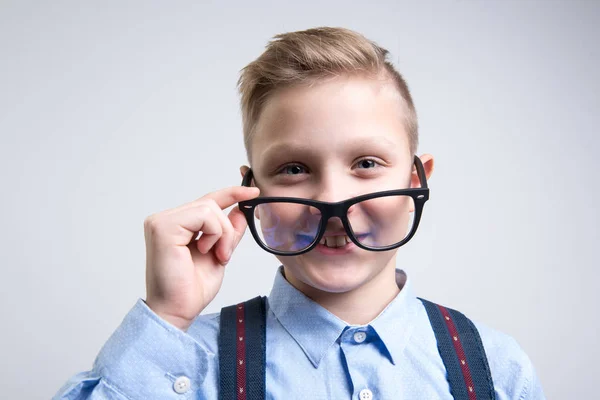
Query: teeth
x=335 y=241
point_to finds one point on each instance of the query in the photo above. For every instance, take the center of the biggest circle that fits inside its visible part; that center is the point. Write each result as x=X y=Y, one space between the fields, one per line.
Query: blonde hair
x=304 y=57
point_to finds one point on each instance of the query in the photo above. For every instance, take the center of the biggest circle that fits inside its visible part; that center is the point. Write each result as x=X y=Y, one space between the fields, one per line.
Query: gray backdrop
x=111 y=111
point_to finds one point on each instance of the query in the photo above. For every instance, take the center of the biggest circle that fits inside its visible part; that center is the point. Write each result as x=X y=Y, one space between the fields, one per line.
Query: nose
x=328 y=196
x=332 y=191
x=332 y=188
x=317 y=213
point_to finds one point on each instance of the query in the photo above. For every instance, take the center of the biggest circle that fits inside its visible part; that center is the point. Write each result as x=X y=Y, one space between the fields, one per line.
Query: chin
x=333 y=276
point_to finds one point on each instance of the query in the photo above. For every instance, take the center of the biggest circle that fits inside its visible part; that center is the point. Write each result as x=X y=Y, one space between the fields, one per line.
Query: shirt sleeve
x=512 y=371
x=145 y=358
x=533 y=390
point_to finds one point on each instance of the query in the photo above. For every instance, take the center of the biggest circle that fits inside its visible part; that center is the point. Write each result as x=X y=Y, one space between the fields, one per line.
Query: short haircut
x=305 y=57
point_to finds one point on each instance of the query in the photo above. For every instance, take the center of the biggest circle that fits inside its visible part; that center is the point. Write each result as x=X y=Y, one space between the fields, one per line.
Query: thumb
x=239 y=222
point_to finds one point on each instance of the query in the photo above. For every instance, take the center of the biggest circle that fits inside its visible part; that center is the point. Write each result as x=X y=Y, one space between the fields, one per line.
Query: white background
x=112 y=111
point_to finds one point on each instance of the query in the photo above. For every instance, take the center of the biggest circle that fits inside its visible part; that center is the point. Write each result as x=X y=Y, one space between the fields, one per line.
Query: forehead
x=331 y=114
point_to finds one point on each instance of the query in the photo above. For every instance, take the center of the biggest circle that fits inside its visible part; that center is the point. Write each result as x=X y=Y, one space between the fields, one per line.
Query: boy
x=326 y=119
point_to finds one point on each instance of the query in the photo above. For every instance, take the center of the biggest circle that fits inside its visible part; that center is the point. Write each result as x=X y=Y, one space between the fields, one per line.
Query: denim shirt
x=311 y=354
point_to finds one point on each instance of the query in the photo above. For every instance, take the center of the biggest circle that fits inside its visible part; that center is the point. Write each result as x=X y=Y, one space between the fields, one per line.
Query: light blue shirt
x=311 y=354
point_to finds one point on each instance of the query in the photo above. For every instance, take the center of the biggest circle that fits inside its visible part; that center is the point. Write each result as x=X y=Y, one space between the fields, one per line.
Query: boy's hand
x=184 y=275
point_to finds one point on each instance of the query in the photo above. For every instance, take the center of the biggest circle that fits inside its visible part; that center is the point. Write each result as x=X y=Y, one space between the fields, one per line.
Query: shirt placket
x=361 y=357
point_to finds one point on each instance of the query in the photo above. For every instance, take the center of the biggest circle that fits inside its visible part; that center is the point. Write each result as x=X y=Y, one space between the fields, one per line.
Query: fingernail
x=227 y=258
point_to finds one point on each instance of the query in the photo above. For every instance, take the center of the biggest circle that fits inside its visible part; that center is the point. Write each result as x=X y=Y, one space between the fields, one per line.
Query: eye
x=367 y=163
x=291 y=169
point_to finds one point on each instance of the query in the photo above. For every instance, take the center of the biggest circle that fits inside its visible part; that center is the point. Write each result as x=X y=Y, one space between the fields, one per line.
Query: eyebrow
x=281 y=149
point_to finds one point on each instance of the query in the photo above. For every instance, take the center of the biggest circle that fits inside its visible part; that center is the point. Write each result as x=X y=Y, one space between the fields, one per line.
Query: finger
x=224 y=244
x=187 y=223
x=206 y=242
x=224 y=198
x=231 y=236
x=239 y=224
x=229 y=196
x=239 y=193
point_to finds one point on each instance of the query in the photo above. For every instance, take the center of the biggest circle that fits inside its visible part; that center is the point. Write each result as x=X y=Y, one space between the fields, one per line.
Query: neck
x=351 y=306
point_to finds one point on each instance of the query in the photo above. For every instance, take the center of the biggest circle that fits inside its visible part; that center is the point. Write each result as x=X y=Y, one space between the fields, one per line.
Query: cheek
x=384 y=220
x=287 y=217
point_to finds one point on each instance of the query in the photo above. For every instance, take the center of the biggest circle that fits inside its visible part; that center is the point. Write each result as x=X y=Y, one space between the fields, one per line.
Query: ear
x=244 y=169
x=427 y=160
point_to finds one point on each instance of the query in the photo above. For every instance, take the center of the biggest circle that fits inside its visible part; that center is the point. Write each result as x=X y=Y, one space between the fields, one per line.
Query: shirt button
x=360 y=337
x=365 y=394
x=182 y=384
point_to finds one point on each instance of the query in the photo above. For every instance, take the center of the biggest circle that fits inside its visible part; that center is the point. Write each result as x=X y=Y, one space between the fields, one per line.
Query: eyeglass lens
x=376 y=223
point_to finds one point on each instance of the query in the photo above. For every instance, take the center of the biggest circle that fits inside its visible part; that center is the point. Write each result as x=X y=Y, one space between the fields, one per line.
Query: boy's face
x=338 y=139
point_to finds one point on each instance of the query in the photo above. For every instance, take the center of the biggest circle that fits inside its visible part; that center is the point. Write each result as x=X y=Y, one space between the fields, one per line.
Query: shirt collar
x=296 y=312
x=396 y=322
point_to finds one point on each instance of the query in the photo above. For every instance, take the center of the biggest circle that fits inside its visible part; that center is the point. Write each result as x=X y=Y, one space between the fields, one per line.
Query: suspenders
x=462 y=352
x=242 y=345
x=242 y=348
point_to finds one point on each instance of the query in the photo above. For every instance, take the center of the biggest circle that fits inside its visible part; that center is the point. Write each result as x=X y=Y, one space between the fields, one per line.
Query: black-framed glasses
x=379 y=221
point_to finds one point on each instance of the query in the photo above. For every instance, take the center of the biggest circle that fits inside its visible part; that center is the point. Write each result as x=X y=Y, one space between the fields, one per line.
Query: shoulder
x=205 y=327
x=512 y=371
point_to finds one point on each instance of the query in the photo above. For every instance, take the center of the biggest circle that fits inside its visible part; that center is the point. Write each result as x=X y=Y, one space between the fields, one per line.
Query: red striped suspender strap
x=462 y=352
x=242 y=345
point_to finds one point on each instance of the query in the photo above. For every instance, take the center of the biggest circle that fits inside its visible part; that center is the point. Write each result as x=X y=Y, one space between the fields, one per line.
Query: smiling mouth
x=339 y=241
x=334 y=241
